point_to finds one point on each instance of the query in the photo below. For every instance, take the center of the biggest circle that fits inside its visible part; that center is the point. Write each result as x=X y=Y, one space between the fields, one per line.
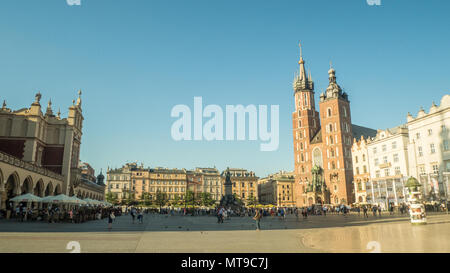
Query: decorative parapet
x=12 y=160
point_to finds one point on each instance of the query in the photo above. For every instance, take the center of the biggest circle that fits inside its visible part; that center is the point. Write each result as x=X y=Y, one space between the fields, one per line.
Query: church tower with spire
x=306 y=124
x=322 y=142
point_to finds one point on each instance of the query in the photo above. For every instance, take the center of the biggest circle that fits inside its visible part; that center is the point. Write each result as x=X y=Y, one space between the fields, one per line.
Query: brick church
x=323 y=142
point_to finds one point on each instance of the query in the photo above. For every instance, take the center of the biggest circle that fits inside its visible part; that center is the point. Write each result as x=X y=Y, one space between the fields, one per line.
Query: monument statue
x=228 y=200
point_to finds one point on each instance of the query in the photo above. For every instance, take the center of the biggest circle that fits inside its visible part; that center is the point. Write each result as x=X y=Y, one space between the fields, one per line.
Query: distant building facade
x=389 y=166
x=277 y=189
x=210 y=182
x=119 y=181
x=361 y=170
x=245 y=184
x=171 y=182
x=429 y=149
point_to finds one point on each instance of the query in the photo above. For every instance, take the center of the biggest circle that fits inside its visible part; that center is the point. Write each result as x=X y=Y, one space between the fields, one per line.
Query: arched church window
x=317 y=157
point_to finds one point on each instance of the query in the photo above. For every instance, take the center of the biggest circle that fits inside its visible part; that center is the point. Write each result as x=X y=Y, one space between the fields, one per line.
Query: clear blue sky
x=136 y=59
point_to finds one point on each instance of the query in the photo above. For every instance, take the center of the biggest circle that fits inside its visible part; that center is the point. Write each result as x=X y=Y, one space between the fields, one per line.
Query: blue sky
x=136 y=59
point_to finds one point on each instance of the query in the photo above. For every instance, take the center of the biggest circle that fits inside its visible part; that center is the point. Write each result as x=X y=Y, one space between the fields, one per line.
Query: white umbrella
x=62 y=198
x=77 y=201
x=92 y=201
x=27 y=198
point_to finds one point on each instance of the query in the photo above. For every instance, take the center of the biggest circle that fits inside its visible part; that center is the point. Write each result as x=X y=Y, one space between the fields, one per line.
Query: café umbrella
x=61 y=199
x=77 y=201
x=27 y=198
x=92 y=201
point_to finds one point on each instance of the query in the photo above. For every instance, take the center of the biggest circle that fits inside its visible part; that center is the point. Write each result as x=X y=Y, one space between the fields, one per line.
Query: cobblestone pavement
x=161 y=233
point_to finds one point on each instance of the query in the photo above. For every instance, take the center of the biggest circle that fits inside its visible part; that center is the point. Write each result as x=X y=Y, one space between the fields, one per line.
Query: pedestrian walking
x=133 y=214
x=257 y=218
x=365 y=212
x=111 y=218
x=140 y=217
x=220 y=215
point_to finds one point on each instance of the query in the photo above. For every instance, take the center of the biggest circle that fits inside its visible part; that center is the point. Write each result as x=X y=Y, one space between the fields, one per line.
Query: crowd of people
x=53 y=213
x=78 y=214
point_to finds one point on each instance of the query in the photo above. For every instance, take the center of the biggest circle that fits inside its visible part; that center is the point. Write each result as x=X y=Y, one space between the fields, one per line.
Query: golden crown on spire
x=301 y=54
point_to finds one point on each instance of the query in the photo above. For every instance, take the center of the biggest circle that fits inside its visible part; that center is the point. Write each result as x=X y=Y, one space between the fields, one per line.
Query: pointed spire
x=59 y=113
x=4 y=105
x=301 y=80
x=301 y=62
x=301 y=53
x=332 y=74
x=49 y=111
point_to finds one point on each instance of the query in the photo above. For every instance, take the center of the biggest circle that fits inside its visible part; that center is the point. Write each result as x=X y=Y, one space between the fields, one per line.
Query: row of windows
x=242 y=184
x=430 y=131
x=344 y=111
x=159 y=182
x=434 y=168
x=363 y=158
x=118 y=177
x=364 y=169
x=432 y=148
x=125 y=177
x=384 y=147
x=166 y=189
x=385 y=159
x=387 y=172
x=117 y=186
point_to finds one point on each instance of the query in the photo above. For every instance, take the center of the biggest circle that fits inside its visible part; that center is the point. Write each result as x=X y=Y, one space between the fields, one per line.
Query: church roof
x=317 y=138
x=359 y=131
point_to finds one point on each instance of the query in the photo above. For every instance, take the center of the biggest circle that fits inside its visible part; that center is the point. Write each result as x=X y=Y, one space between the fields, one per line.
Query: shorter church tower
x=337 y=141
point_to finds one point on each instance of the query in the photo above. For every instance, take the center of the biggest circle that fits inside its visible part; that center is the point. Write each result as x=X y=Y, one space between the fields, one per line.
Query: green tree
x=206 y=199
x=251 y=201
x=130 y=198
x=146 y=199
x=176 y=199
x=161 y=199
x=238 y=200
x=111 y=197
x=189 y=198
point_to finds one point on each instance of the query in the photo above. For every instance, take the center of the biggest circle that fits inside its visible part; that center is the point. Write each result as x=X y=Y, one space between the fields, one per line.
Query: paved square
x=161 y=233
